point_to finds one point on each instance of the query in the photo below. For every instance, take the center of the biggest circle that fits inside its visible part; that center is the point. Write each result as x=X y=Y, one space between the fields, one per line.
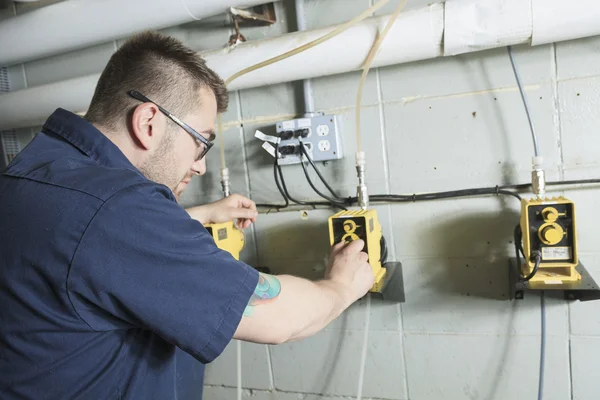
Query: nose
x=199 y=167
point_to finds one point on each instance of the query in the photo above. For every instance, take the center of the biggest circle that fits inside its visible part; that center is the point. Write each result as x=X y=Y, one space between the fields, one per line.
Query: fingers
x=243 y=223
x=244 y=202
x=355 y=246
x=338 y=247
x=242 y=213
x=364 y=257
x=243 y=210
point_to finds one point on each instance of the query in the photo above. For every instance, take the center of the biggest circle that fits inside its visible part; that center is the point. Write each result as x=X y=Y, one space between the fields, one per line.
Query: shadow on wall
x=484 y=242
x=297 y=243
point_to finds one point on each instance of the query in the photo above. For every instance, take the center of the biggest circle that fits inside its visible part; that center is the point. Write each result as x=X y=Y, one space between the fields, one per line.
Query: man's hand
x=349 y=270
x=294 y=308
x=232 y=207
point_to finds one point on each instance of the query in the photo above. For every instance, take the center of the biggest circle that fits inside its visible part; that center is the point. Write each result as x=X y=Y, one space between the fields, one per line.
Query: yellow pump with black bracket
x=227 y=237
x=549 y=231
x=363 y=224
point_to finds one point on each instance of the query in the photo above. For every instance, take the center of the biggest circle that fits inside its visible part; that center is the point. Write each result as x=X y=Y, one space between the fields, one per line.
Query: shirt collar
x=87 y=138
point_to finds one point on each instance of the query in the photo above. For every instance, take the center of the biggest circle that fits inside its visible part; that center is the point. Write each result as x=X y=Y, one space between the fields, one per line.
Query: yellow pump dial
x=551 y=234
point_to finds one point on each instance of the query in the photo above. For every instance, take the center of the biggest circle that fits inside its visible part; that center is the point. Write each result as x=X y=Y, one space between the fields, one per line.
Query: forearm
x=199 y=213
x=301 y=309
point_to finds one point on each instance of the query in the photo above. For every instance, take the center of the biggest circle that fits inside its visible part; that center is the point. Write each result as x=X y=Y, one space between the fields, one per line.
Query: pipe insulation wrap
x=442 y=29
x=75 y=24
x=474 y=25
x=557 y=21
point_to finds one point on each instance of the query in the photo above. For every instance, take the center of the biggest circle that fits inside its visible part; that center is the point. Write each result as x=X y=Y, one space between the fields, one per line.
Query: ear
x=146 y=123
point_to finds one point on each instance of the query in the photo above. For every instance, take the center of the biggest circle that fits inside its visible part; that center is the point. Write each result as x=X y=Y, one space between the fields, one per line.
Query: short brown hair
x=160 y=67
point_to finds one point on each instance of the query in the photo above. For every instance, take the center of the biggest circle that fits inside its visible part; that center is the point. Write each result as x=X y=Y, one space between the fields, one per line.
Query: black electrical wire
x=443 y=195
x=525 y=186
x=283 y=189
x=504 y=190
x=279 y=187
x=398 y=198
x=573 y=182
x=496 y=190
x=384 y=250
x=518 y=238
x=335 y=203
x=333 y=193
x=538 y=261
x=287 y=194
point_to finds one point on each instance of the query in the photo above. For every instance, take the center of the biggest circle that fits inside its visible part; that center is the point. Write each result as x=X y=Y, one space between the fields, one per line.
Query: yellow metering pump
x=364 y=223
x=547 y=238
x=227 y=237
x=348 y=226
x=548 y=234
x=550 y=240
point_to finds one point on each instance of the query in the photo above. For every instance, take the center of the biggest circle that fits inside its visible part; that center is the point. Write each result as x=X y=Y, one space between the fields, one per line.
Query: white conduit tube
x=417 y=35
x=75 y=24
x=363 y=357
x=424 y=27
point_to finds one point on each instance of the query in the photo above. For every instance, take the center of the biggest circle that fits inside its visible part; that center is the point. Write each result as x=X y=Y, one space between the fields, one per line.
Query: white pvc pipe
x=307 y=93
x=74 y=24
x=417 y=35
x=559 y=20
x=473 y=25
x=31 y=107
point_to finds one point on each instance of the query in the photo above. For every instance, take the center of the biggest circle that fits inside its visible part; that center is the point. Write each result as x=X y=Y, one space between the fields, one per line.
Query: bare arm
x=286 y=308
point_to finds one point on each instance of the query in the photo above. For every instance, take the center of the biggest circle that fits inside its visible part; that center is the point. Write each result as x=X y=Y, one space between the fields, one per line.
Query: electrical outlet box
x=321 y=134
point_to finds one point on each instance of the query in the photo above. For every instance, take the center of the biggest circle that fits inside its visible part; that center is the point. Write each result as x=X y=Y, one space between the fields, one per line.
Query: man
x=103 y=276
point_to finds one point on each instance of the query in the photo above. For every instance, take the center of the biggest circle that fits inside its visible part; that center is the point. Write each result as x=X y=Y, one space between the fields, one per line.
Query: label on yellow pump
x=556 y=253
x=227 y=237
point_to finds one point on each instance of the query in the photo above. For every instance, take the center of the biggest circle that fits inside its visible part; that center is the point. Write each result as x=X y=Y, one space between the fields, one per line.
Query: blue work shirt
x=105 y=280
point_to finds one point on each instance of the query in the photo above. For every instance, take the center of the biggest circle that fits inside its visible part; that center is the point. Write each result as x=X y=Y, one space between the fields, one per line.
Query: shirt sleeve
x=143 y=262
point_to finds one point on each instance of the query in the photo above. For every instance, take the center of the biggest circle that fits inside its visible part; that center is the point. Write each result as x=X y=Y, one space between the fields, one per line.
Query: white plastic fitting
x=362 y=194
x=538 y=176
x=225 y=181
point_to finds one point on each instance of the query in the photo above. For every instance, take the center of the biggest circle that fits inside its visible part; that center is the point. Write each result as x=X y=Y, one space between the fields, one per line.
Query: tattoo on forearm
x=267 y=290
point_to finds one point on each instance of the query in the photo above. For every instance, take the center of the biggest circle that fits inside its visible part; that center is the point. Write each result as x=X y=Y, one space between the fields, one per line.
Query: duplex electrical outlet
x=321 y=135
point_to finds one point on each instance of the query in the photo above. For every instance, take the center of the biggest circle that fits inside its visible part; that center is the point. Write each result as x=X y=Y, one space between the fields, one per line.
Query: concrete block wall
x=442 y=124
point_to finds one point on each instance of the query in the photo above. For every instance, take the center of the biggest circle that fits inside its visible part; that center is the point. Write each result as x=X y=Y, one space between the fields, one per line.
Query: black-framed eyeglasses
x=207 y=144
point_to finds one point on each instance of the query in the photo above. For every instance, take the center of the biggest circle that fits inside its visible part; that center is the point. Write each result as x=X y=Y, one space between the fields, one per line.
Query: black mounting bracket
x=585 y=289
x=393 y=286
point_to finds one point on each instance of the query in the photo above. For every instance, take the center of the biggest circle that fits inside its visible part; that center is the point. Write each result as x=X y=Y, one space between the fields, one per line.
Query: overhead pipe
x=307 y=92
x=75 y=24
x=417 y=35
x=559 y=20
x=474 y=25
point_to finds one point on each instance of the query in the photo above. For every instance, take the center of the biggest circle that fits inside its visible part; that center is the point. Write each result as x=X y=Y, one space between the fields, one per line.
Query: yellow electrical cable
x=367 y=65
x=367 y=13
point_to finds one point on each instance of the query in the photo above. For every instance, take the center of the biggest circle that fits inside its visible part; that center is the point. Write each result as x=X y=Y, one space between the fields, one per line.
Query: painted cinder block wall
x=442 y=124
